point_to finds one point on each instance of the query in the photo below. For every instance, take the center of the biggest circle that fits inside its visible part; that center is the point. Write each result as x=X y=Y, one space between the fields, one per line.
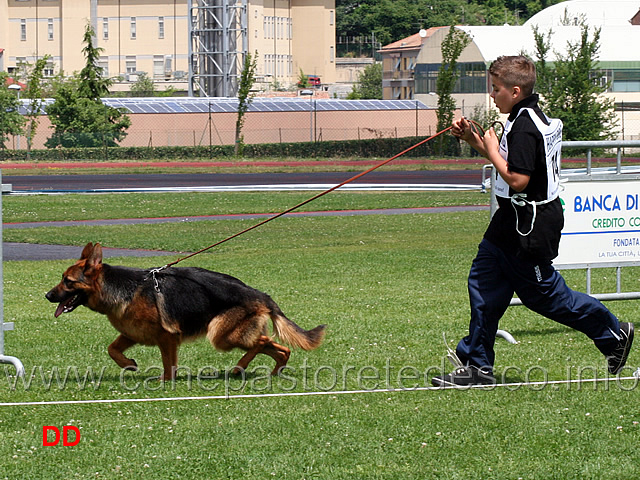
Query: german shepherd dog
x=169 y=306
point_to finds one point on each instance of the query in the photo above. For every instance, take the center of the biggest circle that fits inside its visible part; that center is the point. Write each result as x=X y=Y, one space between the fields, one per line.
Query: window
x=133 y=28
x=103 y=64
x=332 y=54
x=50 y=29
x=47 y=71
x=331 y=17
x=23 y=30
x=425 y=77
x=625 y=81
x=472 y=79
x=131 y=64
x=158 y=66
x=160 y=28
x=269 y=64
x=105 y=28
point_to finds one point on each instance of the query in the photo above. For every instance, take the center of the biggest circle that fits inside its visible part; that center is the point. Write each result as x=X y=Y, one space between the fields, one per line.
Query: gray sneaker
x=617 y=358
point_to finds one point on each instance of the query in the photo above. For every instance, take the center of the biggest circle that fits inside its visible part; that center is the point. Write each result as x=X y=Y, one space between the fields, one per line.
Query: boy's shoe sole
x=617 y=359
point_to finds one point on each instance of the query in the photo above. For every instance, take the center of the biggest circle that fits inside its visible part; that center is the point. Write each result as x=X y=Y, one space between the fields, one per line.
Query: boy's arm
x=517 y=181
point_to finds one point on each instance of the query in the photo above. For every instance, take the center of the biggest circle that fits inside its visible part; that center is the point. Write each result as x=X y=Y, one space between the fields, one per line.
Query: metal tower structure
x=217 y=45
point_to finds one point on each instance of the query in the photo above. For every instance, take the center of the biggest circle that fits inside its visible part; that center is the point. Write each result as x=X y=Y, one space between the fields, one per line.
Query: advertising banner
x=602 y=222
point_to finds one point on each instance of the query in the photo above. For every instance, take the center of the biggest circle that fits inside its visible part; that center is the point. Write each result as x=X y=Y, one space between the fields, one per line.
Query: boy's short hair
x=516 y=70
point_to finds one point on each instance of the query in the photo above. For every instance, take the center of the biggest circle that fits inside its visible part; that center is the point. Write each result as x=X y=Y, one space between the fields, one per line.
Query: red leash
x=310 y=199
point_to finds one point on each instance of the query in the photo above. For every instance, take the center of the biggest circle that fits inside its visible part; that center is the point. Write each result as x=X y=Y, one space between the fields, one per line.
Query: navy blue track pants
x=493 y=279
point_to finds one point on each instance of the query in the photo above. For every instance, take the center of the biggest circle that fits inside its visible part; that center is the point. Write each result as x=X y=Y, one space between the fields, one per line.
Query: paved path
x=30 y=251
x=221 y=181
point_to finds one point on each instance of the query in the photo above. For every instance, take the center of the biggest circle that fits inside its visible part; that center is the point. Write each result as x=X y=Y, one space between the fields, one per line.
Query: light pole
x=308 y=92
x=17 y=88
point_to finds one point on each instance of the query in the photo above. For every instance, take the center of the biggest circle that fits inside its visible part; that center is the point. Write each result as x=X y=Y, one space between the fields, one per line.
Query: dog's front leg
x=116 y=350
x=168 y=344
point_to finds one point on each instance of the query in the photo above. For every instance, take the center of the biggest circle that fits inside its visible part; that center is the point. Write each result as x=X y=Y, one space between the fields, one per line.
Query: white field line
x=264 y=188
x=511 y=386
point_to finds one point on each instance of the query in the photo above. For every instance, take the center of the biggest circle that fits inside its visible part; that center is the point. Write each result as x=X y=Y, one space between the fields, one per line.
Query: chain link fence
x=215 y=129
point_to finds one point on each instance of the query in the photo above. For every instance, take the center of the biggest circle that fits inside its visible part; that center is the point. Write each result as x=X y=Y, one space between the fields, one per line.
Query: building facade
x=399 y=63
x=619 y=65
x=152 y=36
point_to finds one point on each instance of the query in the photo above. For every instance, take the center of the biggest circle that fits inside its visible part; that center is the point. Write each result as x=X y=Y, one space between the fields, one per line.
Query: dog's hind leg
x=279 y=353
x=116 y=350
x=243 y=363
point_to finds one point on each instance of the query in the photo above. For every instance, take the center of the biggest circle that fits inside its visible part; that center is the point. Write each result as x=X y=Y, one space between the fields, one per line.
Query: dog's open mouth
x=68 y=305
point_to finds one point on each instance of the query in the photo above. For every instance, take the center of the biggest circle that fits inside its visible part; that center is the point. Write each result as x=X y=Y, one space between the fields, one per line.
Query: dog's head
x=78 y=281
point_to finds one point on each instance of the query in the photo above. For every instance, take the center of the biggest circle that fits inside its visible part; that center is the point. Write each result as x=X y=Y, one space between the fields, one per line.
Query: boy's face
x=505 y=97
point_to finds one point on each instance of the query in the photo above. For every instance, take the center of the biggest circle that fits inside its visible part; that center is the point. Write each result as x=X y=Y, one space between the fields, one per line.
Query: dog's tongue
x=61 y=307
x=59 y=310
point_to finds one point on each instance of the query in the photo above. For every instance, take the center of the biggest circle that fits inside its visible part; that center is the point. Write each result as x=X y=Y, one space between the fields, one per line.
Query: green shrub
x=380 y=147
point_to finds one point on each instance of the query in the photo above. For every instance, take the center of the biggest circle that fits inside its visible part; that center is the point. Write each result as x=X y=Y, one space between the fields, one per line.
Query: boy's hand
x=490 y=141
x=462 y=129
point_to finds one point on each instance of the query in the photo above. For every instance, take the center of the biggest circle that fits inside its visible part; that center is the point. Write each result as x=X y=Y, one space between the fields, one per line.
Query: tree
x=303 y=80
x=35 y=93
x=369 y=84
x=452 y=46
x=572 y=91
x=77 y=113
x=391 y=20
x=11 y=122
x=143 y=87
x=92 y=84
x=247 y=78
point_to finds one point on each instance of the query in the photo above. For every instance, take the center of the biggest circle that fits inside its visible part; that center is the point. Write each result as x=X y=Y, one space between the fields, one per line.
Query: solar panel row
x=230 y=105
x=199 y=105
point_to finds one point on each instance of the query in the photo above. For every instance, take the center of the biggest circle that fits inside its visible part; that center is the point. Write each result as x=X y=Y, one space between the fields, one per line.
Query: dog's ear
x=95 y=258
x=86 y=251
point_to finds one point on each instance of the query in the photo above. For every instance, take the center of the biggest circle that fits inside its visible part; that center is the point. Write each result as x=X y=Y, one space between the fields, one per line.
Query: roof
x=414 y=41
x=597 y=13
x=493 y=41
x=12 y=81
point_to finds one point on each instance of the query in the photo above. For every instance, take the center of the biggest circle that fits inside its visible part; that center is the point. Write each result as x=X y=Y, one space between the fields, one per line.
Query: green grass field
x=387 y=287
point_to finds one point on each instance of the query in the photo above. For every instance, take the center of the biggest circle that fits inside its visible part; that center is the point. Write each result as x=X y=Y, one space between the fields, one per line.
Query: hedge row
x=383 y=147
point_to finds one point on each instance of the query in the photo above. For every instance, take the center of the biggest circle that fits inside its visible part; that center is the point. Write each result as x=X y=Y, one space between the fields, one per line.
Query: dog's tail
x=292 y=334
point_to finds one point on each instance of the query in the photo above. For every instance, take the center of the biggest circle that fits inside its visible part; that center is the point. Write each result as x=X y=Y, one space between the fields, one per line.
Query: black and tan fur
x=188 y=303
